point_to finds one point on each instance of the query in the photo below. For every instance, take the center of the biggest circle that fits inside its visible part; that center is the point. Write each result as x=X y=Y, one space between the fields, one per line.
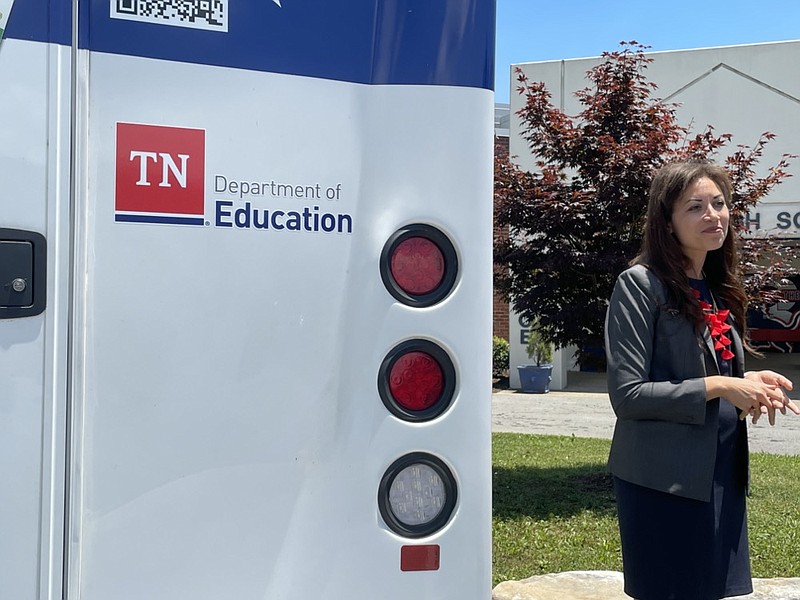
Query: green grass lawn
x=554 y=510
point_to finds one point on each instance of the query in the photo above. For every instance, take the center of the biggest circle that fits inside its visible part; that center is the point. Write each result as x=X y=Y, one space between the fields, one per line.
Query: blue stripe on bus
x=41 y=21
x=436 y=42
x=159 y=219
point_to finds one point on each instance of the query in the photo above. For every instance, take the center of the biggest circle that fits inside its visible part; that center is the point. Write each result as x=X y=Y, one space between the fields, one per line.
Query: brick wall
x=500 y=328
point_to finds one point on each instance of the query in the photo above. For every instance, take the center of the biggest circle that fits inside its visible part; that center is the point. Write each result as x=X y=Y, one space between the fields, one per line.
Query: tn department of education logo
x=160 y=174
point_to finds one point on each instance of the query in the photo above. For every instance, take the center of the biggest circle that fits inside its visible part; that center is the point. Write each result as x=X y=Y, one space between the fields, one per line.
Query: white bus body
x=245 y=299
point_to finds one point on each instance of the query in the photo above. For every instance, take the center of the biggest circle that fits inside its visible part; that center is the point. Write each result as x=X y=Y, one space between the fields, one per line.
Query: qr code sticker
x=195 y=14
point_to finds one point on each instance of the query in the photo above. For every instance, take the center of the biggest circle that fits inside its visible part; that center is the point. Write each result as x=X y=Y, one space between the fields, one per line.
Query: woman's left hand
x=779 y=382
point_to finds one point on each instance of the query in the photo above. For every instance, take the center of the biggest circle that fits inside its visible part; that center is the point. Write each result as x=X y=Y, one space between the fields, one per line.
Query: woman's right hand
x=783 y=383
x=747 y=394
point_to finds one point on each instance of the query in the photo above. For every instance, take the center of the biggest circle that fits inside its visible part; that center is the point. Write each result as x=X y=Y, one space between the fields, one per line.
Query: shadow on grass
x=561 y=492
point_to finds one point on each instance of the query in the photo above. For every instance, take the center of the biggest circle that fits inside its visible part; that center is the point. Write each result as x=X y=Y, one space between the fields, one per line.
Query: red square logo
x=160 y=172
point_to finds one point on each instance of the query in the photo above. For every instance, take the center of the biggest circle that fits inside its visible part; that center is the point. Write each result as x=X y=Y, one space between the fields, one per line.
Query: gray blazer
x=666 y=433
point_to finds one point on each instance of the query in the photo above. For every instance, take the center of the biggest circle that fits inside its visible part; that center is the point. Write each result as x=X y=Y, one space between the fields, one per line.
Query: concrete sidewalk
x=584 y=410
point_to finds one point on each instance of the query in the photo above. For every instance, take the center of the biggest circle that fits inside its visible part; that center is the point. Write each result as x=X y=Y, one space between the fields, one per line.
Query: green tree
x=576 y=221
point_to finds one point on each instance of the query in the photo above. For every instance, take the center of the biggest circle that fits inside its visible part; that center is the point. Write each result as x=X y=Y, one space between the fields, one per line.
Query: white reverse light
x=417 y=495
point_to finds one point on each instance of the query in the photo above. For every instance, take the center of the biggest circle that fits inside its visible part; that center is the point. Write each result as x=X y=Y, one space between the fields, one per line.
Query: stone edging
x=607 y=585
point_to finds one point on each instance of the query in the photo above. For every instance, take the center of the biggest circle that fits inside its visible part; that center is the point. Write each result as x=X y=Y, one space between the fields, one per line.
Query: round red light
x=417 y=265
x=416 y=381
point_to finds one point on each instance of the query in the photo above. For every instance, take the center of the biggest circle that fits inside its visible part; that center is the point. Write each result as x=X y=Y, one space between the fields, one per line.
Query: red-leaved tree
x=575 y=222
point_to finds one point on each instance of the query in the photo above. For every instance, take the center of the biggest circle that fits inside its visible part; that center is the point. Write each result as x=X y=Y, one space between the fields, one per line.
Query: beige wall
x=742 y=90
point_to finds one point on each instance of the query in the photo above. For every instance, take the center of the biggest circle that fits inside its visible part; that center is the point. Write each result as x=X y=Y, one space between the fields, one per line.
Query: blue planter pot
x=535 y=380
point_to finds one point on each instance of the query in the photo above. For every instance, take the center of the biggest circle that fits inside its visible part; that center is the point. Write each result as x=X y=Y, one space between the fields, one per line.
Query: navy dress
x=676 y=548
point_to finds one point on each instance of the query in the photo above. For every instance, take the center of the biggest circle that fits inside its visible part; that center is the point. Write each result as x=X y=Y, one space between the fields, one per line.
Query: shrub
x=500 y=357
x=539 y=348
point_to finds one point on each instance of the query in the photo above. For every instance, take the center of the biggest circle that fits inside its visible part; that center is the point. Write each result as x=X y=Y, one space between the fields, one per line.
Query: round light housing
x=417 y=495
x=416 y=380
x=419 y=265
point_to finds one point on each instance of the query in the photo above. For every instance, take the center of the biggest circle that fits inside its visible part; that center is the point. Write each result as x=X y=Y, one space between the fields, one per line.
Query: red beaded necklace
x=715 y=319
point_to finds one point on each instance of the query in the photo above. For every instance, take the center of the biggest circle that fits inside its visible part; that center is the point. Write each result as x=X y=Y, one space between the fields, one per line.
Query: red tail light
x=419 y=265
x=416 y=380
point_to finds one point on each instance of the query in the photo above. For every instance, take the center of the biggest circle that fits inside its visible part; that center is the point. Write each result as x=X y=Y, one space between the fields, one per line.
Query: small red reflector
x=416 y=381
x=419 y=558
x=417 y=265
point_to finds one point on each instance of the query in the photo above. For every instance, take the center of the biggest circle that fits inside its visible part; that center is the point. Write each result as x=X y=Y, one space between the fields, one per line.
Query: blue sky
x=536 y=30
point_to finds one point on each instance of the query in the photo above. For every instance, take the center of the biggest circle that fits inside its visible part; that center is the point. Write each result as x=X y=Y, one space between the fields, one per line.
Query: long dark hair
x=661 y=252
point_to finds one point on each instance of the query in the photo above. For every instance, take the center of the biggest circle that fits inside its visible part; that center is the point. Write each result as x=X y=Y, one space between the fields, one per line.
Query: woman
x=674 y=341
